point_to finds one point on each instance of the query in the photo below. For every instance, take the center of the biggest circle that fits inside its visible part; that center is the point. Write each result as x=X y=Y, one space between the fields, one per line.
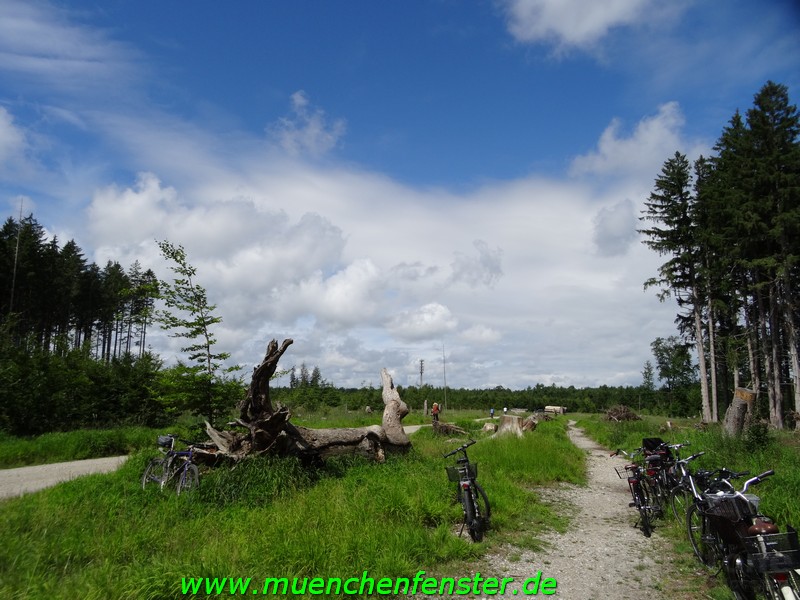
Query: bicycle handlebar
x=175 y=437
x=757 y=479
x=683 y=461
x=459 y=449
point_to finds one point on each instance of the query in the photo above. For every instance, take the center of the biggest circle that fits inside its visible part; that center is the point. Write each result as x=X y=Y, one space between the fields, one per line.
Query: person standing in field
x=435 y=411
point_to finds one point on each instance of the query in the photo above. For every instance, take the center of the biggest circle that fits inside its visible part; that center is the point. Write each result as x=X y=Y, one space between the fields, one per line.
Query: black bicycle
x=642 y=495
x=729 y=534
x=175 y=466
x=474 y=501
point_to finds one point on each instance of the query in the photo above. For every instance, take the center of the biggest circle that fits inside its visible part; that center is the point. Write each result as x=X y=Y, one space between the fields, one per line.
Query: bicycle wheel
x=704 y=540
x=679 y=499
x=744 y=583
x=481 y=513
x=188 y=479
x=156 y=472
x=642 y=501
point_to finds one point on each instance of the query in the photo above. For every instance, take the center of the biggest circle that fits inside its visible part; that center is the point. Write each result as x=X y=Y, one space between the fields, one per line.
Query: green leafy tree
x=202 y=385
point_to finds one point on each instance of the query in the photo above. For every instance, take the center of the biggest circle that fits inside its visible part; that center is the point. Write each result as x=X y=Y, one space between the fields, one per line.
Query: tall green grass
x=74 y=445
x=104 y=537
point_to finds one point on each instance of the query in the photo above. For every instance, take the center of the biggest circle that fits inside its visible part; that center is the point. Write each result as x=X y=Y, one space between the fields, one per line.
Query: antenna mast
x=444 y=371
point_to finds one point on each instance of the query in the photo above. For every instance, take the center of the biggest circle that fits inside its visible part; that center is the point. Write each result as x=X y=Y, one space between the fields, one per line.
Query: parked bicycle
x=684 y=491
x=474 y=501
x=641 y=492
x=729 y=534
x=174 y=467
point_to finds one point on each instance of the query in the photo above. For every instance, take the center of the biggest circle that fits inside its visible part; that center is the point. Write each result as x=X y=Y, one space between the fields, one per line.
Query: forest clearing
x=103 y=536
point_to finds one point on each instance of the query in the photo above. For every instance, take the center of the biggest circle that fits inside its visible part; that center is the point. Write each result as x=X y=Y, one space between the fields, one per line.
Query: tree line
x=53 y=299
x=729 y=227
x=73 y=339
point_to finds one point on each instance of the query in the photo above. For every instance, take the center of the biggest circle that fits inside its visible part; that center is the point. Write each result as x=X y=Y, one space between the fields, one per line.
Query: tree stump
x=739 y=412
x=510 y=425
x=268 y=430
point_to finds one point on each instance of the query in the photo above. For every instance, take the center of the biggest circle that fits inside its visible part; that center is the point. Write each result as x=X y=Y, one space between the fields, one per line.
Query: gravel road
x=601 y=556
x=15 y=482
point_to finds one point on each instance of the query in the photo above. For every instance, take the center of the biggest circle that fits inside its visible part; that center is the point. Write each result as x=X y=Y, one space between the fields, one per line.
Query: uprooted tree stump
x=267 y=430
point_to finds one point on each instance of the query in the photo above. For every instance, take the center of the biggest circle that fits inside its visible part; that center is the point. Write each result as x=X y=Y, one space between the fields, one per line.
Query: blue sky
x=384 y=180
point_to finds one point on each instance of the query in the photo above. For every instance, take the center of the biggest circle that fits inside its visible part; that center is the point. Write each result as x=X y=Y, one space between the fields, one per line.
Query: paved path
x=15 y=482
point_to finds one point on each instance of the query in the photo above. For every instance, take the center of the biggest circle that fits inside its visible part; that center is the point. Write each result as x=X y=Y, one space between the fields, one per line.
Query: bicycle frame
x=167 y=469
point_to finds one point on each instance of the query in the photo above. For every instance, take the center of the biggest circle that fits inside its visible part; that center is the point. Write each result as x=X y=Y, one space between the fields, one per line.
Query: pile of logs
x=621 y=413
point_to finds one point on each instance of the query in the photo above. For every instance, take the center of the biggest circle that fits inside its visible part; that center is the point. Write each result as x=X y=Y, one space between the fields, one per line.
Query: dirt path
x=15 y=482
x=602 y=555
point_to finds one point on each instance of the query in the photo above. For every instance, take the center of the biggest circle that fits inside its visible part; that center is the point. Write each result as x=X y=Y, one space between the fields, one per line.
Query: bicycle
x=729 y=534
x=474 y=502
x=684 y=491
x=641 y=492
x=175 y=465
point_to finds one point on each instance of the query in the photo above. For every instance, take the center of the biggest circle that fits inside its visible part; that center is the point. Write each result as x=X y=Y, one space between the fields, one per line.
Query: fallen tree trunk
x=265 y=429
x=442 y=428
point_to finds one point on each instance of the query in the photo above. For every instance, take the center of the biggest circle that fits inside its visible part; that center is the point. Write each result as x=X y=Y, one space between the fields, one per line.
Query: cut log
x=266 y=429
x=740 y=411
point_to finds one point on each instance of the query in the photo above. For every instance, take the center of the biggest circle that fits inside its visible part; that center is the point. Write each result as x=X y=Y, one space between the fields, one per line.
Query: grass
x=73 y=445
x=757 y=451
x=104 y=537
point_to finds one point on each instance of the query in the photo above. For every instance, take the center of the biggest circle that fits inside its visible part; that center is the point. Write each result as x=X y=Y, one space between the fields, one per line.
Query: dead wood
x=442 y=428
x=510 y=425
x=621 y=413
x=264 y=429
x=740 y=412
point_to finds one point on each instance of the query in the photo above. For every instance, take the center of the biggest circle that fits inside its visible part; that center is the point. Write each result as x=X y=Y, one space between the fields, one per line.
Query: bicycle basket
x=774 y=552
x=728 y=506
x=626 y=471
x=454 y=473
x=166 y=441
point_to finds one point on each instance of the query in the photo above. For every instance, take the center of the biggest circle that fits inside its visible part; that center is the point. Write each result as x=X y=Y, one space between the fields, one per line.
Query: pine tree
x=674 y=233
